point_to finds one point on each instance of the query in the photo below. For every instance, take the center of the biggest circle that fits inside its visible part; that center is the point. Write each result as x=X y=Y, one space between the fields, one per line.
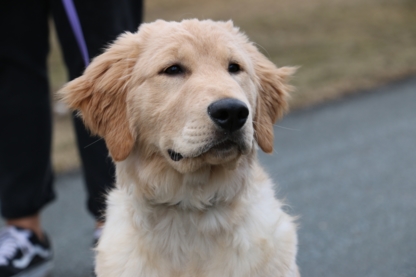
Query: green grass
x=341 y=46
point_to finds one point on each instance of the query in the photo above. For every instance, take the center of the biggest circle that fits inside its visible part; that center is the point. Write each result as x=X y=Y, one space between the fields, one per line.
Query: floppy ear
x=273 y=92
x=100 y=95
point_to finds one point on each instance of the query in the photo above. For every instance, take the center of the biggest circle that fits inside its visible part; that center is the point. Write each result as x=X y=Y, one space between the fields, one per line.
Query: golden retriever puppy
x=182 y=107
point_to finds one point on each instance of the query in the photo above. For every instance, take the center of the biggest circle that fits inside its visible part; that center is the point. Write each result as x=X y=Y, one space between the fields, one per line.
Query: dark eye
x=173 y=70
x=234 y=68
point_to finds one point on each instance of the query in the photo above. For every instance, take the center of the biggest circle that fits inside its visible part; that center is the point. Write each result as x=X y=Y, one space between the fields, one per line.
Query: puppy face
x=194 y=93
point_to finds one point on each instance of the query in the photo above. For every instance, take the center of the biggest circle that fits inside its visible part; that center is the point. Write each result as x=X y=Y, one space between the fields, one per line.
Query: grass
x=342 y=46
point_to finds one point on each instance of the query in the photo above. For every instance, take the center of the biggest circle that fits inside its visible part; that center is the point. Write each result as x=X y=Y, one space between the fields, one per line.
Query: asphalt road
x=347 y=168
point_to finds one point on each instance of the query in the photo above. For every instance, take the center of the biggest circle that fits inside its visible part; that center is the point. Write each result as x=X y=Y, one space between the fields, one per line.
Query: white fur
x=246 y=235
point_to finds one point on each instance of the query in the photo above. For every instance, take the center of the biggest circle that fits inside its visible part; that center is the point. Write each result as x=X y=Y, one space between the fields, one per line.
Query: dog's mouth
x=219 y=146
x=223 y=146
x=175 y=156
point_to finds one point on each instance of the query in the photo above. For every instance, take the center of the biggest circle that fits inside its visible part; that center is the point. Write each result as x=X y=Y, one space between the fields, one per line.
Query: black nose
x=230 y=114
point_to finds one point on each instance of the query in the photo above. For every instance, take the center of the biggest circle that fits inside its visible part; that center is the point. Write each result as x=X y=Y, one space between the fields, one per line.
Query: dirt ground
x=341 y=47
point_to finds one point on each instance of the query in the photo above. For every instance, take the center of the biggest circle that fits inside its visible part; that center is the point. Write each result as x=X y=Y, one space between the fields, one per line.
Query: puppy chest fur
x=182 y=107
x=246 y=236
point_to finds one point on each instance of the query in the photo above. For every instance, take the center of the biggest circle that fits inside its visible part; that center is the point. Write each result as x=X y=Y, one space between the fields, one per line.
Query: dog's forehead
x=201 y=37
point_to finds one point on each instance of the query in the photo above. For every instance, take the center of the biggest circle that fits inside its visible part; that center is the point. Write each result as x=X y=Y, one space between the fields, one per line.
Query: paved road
x=348 y=168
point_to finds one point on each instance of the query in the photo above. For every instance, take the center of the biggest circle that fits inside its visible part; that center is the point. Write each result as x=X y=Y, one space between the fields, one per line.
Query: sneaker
x=22 y=254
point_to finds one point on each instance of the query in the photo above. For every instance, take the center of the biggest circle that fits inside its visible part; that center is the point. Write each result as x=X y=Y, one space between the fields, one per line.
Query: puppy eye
x=234 y=68
x=173 y=70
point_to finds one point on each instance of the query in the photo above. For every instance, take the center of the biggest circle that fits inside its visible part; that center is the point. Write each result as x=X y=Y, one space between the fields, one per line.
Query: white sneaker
x=22 y=254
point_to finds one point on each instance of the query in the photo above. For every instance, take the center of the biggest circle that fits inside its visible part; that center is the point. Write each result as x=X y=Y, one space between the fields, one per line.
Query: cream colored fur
x=212 y=213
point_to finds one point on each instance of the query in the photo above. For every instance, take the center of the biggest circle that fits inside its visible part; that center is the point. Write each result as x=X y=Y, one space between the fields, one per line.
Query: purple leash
x=76 y=28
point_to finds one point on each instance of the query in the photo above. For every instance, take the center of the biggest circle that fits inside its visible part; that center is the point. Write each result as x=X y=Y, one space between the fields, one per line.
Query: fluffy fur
x=213 y=212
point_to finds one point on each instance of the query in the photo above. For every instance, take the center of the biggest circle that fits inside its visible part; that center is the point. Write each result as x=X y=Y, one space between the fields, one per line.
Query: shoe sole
x=42 y=270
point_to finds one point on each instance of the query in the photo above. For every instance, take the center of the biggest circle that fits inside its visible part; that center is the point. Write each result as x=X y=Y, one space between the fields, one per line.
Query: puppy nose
x=229 y=114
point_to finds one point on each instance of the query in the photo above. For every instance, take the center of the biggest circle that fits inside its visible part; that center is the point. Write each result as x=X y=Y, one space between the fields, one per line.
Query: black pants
x=25 y=116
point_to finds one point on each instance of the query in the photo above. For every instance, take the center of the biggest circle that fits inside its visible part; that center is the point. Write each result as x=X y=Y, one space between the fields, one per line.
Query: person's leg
x=101 y=21
x=25 y=117
x=25 y=131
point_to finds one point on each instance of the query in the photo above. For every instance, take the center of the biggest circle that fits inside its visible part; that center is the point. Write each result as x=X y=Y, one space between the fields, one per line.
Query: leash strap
x=76 y=28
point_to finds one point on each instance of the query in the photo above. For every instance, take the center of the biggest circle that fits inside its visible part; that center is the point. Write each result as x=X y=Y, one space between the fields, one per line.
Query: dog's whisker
x=264 y=49
x=279 y=126
x=286 y=128
x=93 y=142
